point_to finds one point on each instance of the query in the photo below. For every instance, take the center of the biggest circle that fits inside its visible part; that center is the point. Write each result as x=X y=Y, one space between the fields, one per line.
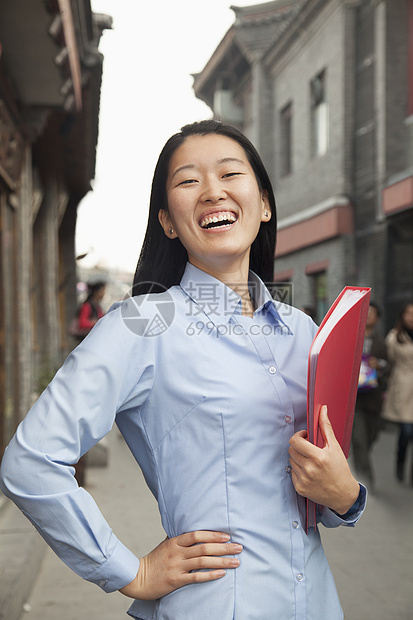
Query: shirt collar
x=220 y=302
x=264 y=301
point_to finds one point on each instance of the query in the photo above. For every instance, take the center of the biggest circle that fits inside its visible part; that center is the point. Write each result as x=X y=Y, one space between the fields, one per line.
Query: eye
x=187 y=182
x=231 y=174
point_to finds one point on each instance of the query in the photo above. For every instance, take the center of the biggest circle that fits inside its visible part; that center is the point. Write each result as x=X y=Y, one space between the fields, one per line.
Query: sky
x=146 y=96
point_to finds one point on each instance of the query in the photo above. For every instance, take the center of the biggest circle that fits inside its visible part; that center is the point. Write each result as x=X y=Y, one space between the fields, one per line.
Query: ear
x=166 y=223
x=266 y=209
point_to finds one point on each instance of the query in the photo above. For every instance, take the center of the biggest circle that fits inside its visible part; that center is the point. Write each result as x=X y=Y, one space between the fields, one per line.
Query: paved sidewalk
x=372 y=563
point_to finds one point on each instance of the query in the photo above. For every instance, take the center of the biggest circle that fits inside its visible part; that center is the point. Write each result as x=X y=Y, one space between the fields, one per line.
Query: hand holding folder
x=333 y=370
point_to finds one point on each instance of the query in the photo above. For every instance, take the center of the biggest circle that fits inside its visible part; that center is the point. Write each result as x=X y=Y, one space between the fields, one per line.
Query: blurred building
x=50 y=79
x=324 y=89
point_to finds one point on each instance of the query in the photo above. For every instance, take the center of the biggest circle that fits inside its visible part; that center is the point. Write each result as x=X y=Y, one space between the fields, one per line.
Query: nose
x=213 y=191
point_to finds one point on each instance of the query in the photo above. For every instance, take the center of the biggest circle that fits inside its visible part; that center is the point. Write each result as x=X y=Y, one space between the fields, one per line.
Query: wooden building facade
x=50 y=80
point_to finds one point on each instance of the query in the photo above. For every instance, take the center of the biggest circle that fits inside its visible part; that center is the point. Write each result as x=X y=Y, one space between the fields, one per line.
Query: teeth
x=220 y=217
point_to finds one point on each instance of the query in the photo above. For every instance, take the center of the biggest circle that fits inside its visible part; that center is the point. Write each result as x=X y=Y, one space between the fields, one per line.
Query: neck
x=235 y=276
x=232 y=273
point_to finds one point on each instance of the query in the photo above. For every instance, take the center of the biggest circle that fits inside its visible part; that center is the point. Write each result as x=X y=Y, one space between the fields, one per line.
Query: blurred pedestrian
x=91 y=310
x=369 y=401
x=398 y=406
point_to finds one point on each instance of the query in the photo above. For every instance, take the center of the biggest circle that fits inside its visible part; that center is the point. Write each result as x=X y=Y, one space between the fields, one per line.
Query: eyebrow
x=185 y=167
x=223 y=160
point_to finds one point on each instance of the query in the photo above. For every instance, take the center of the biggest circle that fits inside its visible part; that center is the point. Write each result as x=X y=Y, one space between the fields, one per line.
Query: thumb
x=326 y=428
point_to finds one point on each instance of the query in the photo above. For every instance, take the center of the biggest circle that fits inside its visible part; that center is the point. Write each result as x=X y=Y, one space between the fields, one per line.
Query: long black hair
x=162 y=260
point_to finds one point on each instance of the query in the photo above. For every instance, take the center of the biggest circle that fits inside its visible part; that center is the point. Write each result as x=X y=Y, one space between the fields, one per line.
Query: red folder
x=333 y=370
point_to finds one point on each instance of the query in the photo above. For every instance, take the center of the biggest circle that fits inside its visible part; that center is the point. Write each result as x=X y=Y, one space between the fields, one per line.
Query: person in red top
x=91 y=310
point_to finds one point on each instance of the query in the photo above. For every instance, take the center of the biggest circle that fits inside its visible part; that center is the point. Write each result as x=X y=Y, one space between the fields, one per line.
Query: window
x=320 y=302
x=286 y=145
x=319 y=115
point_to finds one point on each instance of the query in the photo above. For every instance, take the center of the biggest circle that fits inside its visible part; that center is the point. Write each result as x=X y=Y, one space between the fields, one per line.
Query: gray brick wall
x=320 y=47
x=338 y=251
x=396 y=87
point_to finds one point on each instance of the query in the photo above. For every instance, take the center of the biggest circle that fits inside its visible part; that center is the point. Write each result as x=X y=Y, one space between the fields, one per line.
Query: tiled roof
x=258 y=26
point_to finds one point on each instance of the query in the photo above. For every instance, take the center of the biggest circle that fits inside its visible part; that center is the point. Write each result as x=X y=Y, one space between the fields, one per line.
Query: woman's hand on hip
x=323 y=474
x=194 y=557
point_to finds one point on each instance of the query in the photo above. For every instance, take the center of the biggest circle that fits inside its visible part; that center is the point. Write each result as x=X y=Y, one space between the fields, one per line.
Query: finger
x=326 y=428
x=299 y=435
x=204 y=576
x=213 y=549
x=296 y=458
x=210 y=563
x=201 y=536
x=300 y=444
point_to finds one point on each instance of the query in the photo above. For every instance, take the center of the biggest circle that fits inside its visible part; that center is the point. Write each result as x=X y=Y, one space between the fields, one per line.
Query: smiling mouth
x=218 y=220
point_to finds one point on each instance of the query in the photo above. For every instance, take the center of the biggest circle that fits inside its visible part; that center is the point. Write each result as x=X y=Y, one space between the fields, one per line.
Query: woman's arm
x=103 y=376
x=98 y=380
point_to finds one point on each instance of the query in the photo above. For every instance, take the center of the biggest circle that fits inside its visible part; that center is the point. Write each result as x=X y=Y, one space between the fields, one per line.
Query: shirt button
x=272 y=370
x=288 y=419
x=296 y=525
x=288 y=469
x=102 y=583
x=299 y=577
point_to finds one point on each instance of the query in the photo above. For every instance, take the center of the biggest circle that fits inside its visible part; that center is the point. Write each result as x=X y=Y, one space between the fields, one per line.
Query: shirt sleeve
x=330 y=518
x=110 y=372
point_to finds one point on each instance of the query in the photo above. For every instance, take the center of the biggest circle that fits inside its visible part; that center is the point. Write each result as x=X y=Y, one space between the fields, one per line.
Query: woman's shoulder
x=304 y=319
x=391 y=337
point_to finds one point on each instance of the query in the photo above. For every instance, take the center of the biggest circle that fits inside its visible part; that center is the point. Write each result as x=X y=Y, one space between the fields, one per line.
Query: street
x=371 y=563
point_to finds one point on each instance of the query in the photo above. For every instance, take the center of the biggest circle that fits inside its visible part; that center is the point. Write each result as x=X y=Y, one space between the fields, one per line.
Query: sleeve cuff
x=329 y=518
x=358 y=506
x=119 y=569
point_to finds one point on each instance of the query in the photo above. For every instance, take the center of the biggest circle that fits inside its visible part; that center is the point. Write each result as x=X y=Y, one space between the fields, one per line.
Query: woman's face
x=372 y=316
x=408 y=317
x=215 y=206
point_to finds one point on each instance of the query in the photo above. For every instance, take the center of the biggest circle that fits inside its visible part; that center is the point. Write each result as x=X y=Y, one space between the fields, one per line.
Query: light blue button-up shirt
x=207 y=400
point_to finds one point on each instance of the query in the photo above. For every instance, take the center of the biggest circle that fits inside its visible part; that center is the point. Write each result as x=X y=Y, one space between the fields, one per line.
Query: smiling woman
x=207 y=382
x=164 y=256
x=214 y=205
